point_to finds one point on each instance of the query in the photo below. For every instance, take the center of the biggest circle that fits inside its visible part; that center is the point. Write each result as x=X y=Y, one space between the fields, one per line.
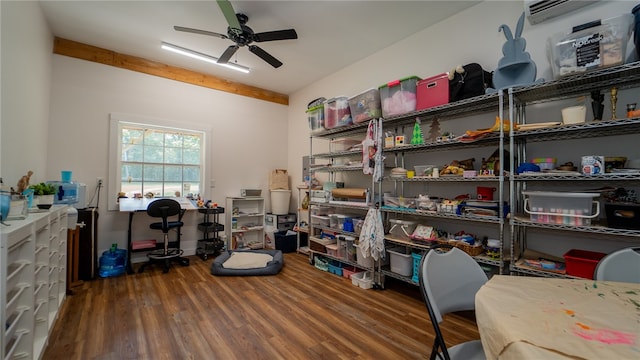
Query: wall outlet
x=99 y=181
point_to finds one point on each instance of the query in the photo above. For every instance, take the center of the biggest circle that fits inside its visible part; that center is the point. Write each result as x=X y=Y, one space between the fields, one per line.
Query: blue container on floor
x=112 y=262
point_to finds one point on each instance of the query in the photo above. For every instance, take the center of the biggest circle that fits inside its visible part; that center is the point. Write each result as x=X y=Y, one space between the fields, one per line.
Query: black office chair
x=165 y=208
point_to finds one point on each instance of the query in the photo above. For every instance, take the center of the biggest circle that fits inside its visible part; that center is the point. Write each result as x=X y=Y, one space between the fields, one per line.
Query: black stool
x=165 y=208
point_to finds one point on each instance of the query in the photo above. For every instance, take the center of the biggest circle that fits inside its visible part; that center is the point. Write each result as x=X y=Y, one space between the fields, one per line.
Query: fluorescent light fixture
x=204 y=57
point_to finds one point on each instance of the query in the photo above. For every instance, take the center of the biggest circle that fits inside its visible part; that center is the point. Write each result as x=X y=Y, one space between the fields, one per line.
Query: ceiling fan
x=242 y=35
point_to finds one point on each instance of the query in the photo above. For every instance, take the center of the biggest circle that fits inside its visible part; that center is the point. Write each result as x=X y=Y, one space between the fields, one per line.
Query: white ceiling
x=331 y=34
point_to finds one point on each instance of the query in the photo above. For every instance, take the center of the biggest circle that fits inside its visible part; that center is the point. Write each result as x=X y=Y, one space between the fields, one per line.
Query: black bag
x=472 y=82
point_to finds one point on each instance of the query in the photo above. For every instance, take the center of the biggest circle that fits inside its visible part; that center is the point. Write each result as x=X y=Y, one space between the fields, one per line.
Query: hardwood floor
x=301 y=313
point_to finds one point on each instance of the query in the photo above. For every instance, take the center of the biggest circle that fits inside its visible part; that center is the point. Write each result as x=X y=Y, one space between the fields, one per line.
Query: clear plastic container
x=590 y=48
x=399 y=96
x=566 y=208
x=365 y=106
x=401 y=263
x=402 y=229
x=337 y=112
x=316 y=118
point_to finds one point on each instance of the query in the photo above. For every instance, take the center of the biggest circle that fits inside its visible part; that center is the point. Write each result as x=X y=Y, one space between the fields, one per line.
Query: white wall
x=245 y=133
x=470 y=36
x=83 y=94
x=55 y=113
x=26 y=78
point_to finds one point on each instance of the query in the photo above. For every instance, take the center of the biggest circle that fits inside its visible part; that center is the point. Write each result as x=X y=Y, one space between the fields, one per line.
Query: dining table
x=524 y=317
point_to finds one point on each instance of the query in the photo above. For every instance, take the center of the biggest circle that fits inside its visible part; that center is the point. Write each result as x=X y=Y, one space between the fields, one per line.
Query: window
x=152 y=158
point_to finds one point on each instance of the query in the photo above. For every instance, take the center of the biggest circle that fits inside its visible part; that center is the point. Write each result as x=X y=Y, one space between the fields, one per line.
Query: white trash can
x=280 y=202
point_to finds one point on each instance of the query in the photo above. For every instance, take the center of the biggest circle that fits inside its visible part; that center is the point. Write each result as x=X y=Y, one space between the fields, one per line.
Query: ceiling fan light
x=203 y=57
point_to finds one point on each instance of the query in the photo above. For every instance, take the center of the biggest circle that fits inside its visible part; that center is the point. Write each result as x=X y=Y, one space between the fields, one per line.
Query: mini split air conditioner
x=538 y=11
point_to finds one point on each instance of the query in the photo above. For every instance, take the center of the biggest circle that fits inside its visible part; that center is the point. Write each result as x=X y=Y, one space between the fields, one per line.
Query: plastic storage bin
x=345 y=247
x=545 y=163
x=363 y=280
x=321 y=221
x=347 y=271
x=286 y=243
x=582 y=263
x=365 y=106
x=590 y=48
x=563 y=208
x=399 y=202
x=337 y=112
x=321 y=263
x=623 y=215
x=432 y=91
x=315 y=115
x=417 y=259
x=402 y=229
x=399 y=96
x=332 y=250
x=345 y=144
x=424 y=170
x=335 y=268
x=401 y=263
x=350 y=251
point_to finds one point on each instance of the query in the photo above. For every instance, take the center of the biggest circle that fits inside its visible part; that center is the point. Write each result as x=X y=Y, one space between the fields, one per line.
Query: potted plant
x=44 y=193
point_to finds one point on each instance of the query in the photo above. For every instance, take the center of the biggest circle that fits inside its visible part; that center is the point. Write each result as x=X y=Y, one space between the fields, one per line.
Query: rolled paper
x=352 y=193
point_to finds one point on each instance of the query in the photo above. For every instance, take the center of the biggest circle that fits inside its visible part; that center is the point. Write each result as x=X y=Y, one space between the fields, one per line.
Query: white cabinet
x=244 y=223
x=605 y=137
x=33 y=281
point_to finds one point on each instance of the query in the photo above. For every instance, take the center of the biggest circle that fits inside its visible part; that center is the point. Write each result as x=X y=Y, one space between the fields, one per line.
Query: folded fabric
x=247 y=260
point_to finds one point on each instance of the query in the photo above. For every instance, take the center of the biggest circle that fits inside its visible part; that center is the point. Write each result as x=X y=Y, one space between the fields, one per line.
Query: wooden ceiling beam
x=108 y=57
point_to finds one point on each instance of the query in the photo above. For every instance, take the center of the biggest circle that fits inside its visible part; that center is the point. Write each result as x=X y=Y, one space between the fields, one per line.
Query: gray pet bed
x=271 y=268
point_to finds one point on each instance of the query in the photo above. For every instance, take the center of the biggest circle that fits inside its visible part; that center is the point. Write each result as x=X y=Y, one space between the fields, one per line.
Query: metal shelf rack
x=622 y=77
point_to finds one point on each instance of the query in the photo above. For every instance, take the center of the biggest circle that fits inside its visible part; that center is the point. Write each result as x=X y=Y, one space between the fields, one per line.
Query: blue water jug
x=112 y=262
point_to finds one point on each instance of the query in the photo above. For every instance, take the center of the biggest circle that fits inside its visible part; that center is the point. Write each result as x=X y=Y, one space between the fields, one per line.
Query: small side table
x=210 y=244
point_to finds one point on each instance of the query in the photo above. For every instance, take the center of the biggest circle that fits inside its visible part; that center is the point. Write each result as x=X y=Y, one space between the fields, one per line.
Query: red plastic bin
x=582 y=263
x=432 y=92
x=348 y=271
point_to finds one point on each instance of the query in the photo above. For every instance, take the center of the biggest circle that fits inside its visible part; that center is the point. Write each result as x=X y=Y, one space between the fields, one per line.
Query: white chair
x=622 y=265
x=449 y=282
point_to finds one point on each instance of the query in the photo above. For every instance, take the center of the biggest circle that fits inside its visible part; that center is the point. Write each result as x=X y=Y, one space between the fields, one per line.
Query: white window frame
x=118 y=120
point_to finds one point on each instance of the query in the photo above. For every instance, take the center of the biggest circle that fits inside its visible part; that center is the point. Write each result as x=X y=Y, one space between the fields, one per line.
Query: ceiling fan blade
x=275 y=35
x=228 y=54
x=230 y=15
x=201 y=32
x=265 y=56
